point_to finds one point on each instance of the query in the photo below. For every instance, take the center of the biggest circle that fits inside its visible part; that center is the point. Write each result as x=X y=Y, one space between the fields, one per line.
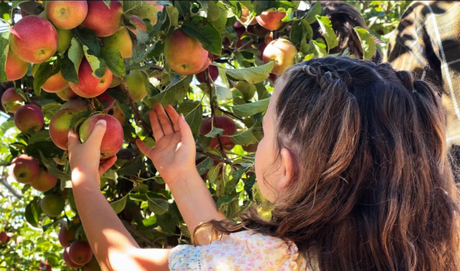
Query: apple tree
x=214 y=61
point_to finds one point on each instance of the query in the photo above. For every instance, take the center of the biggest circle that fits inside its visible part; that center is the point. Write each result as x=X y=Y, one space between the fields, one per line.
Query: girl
x=353 y=157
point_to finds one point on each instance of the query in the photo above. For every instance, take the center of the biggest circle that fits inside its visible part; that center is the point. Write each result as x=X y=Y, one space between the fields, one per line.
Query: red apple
x=66 y=235
x=282 y=52
x=44 y=181
x=90 y=86
x=60 y=123
x=33 y=39
x=102 y=20
x=185 y=54
x=54 y=83
x=24 y=169
x=80 y=252
x=29 y=117
x=4 y=238
x=271 y=20
x=119 y=114
x=222 y=122
x=15 y=68
x=66 y=94
x=106 y=100
x=66 y=14
x=11 y=101
x=68 y=261
x=43 y=265
x=113 y=137
x=213 y=73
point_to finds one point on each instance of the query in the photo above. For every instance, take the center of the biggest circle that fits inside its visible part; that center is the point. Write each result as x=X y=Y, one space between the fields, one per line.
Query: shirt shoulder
x=245 y=250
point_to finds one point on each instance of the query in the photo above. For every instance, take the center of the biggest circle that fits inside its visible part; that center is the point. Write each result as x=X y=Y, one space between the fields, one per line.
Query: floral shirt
x=243 y=250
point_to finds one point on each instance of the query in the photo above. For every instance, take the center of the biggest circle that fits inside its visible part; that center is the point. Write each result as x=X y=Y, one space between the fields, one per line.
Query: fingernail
x=182 y=116
x=101 y=123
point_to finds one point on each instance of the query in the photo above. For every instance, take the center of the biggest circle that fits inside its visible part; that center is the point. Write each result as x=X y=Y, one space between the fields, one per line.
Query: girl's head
x=354 y=156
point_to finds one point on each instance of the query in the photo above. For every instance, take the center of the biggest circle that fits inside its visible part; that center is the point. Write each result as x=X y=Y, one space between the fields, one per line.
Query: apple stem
x=137 y=115
x=229 y=113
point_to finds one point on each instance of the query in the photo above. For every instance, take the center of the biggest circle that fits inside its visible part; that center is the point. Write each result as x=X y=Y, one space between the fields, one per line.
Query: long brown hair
x=373 y=188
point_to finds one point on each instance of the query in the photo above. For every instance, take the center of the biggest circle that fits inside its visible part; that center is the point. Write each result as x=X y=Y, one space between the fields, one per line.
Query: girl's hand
x=174 y=152
x=85 y=157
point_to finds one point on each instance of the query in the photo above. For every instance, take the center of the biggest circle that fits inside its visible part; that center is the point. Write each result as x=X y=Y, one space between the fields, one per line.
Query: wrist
x=82 y=175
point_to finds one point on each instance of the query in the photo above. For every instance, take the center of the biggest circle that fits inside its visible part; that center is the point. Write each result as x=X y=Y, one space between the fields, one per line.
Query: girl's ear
x=287 y=168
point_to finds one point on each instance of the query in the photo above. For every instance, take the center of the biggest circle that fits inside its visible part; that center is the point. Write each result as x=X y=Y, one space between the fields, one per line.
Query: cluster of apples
x=77 y=253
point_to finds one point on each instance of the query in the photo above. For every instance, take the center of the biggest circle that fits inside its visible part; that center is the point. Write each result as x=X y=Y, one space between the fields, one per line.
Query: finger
x=173 y=116
x=107 y=164
x=144 y=148
x=164 y=120
x=156 y=127
x=72 y=140
x=95 y=138
x=185 y=131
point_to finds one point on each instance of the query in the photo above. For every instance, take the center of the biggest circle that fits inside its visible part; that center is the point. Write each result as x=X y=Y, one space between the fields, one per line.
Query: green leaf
x=68 y=70
x=157 y=205
x=40 y=136
x=132 y=167
x=252 y=75
x=183 y=7
x=213 y=173
x=52 y=169
x=114 y=61
x=213 y=11
x=50 y=109
x=172 y=94
x=107 y=3
x=320 y=49
x=226 y=200
x=98 y=65
x=328 y=31
x=315 y=10
x=193 y=113
x=367 y=42
x=131 y=5
x=145 y=11
x=88 y=37
x=3 y=55
x=168 y=18
x=119 y=205
x=214 y=132
x=205 y=165
x=45 y=71
x=205 y=32
x=244 y=138
x=250 y=109
x=33 y=212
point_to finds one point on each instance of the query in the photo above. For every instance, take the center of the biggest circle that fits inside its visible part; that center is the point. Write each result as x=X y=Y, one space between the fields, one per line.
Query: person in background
x=427 y=43
x=354 y=158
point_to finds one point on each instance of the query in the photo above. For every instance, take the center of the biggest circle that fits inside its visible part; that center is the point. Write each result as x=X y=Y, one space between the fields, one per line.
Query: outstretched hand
x=174 y=152
x=86 y=156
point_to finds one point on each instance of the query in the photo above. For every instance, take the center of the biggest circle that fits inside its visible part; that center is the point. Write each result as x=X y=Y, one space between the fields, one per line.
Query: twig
x=137 y=115
x=229 y=113
x=214 y=157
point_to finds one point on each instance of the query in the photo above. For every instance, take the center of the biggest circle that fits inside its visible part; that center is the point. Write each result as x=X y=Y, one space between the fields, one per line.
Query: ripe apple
x=106 y=100
x=282 y=52
x=119 y=114
x=66 y=235
x=121 y=41
x=11 y=101
x=15 y=68
x=54 y=83
x=4 y=238
x=29 y=117
x=185 y=54
x=213 y=73
x=24 y=169
x=271 y=20
x=68 y=261
x=88 y=85
x=222 y=122
x=60 y=123
x=66 y=94
x=33 y=39
x=44 y=181
x=136 y=81
x=66 y=14
x=113 y=137
x=138 y=23
x=52 y=204
x=80 y=252
x=43 y=265
x=102 y=20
